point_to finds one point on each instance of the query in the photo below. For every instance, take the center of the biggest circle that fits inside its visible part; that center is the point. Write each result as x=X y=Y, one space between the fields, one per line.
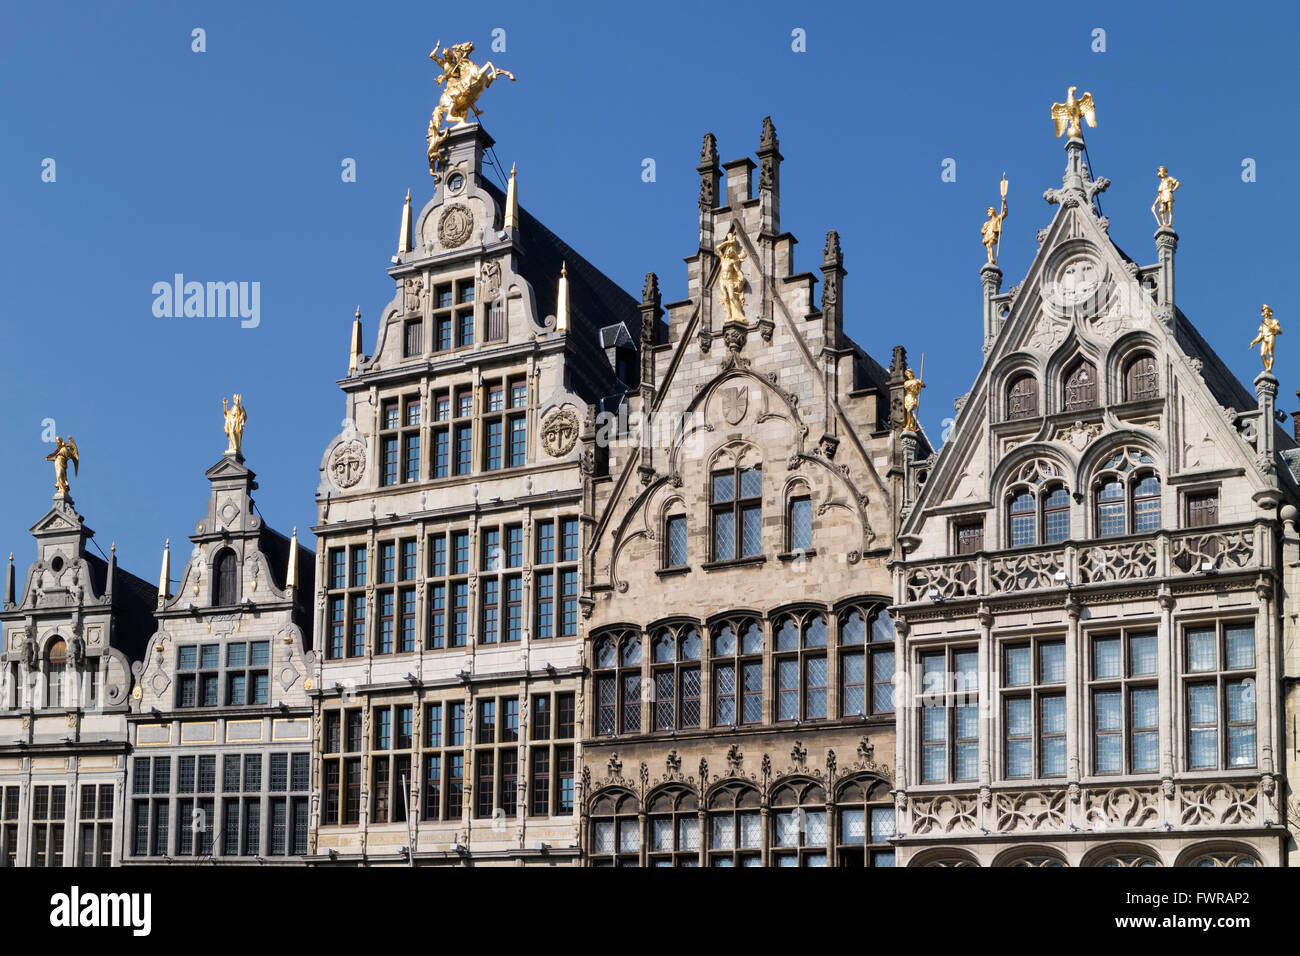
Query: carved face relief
x=560 y=432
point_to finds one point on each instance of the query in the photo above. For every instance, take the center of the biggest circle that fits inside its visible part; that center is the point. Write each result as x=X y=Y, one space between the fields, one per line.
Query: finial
x=358 y=313
x=165 y=573
x=1066 y=116
x=112 y=548
x=562 y=300
x=512 y=202
x=235 y=419
x=291 y=578
x=465 y=82
x=354 y=356
x=404 y=237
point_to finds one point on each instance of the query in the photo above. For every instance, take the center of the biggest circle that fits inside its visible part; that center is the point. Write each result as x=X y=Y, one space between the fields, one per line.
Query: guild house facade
x=1090 y=604
x=739 y=708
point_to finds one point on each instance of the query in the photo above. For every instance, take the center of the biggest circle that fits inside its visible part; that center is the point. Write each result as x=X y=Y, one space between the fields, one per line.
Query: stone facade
x=1089 y=608
x=221 y=718
x=739 y=709
x=71 y=634
x=450 y=540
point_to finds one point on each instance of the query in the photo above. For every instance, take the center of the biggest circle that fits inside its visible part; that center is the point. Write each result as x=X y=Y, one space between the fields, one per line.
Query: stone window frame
x=1038 y=689
x=1128 y=466
x=1125 y=683
x=1222 y=677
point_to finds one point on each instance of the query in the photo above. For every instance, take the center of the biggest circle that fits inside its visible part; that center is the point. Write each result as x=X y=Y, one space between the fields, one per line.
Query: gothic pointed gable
x=1089 y=357
x=750 y=377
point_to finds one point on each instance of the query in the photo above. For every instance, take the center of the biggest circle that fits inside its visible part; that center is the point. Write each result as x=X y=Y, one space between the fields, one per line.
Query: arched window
x=1022 y=397
x=615 y=830
x=618 y=683
x=674 y=555
x=801 y=666
x=1081 y=387
x=799 y=825
x=674 y=828
x=675 y=662
x=864 y=824
x=1141 y=378
x=735 y=826
x=1224 y=859
x=1126 y=495
x=1022 y=520
x=226 y=579
x=1139 y=860
x=56 y=674
x=1037 y=860
x=737 y=672
x=858 y=695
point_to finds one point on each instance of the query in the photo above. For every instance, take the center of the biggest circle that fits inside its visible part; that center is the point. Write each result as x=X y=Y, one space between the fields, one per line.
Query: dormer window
x=226 y=579
x=1141 y=379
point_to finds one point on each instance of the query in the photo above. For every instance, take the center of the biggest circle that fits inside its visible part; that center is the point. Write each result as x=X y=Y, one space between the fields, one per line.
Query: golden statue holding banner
x=465 y=82
x=912 y=385
x=236 y=418
x=1269 y=329
x=991 y=231
x=62 y=452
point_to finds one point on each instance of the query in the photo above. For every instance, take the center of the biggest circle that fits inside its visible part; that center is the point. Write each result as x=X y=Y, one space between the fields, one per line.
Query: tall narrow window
x=1220 y=696
x=1125 y=706
x=949 y=715
x=1111 y=518
x=675 y=661
x=618 y=684
x=737 y=673
x=226 y=579
x=1202 y=509
x=675 y=541
x=800 y=524
x=1033 y=709
x=801 y=666
x=56 y=675
x=1056 y=516
x=1146 y=504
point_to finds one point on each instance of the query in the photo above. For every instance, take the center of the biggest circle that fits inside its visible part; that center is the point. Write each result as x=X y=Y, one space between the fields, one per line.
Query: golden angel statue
x=465 y=82
x=1066 y=115
x=236 y=418
x=1163 y=207
x=731 y=281
x=62 y=452
x=912 y=386
x=1269 y=329
x=991 y=230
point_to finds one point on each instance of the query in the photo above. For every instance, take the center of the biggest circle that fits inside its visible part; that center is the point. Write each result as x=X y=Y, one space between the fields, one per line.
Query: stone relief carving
x=455 y=226
x=559 y=432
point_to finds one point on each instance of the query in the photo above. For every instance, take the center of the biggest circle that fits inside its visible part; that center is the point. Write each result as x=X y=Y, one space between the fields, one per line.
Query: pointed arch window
x=1056 y=516
x=1141 y=378
x=1081 y=387
x=226 y=579
x=1126 y=495
x=801 y=668
x=674 y=555
x=1022 y=519
x=737 y=513
x=1022 y=397
x=737 y=673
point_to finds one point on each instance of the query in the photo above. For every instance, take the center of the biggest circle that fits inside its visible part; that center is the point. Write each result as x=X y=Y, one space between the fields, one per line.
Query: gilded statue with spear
x=912 y=385
x=991 y=230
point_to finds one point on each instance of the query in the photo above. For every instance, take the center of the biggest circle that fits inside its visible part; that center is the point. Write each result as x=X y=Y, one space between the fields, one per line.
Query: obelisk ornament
x=1066 y=115
x=465 y=82
x=731 y=280
x=991 y=230
x=1163 y=207
x=912 y=385
x=64 y=450
x=236 y=418
x=1269 y=329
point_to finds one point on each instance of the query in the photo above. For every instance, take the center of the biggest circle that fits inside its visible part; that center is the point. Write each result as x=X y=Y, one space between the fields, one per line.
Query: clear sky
x=226 y=165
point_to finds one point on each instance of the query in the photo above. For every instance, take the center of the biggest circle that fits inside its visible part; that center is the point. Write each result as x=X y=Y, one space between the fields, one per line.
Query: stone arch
x=1118 y=357
x=1034 y=855
x=1222 y=852
x=943 y=856
x=1121 y=854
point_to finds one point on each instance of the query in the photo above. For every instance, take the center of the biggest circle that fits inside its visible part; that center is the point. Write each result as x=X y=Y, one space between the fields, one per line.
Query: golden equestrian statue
x=731 y=281
x=236 y=418
x=466 y=82
x=1066 y=115
x=912 y=385
x=1163 y=207
x=1269 y=329
x=62 y=452
x=991 y=230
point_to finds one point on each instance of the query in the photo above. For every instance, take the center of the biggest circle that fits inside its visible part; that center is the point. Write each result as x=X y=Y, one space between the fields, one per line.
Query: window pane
x=1142 y=655
x=724 y=487
x=1106 y=662
x=882 y=824
x=800 y=524
x=1019 y=670
x=1051 y=662
x=724 y=536
x=1201 y=653
x=1240 y=649
x=751 y=517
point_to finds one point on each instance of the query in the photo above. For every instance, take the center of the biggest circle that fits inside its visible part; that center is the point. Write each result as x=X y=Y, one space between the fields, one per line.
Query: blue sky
x=225 y=166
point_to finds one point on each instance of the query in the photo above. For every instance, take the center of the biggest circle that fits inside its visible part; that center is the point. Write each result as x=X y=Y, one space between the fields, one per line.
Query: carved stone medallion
x=735 y=402
x=559 y=432
x=347 y=463
x=455 y=226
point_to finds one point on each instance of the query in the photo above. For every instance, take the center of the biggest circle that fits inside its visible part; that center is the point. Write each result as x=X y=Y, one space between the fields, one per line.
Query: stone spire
x=709 y=173
x=562 y=301
x=1077 y=185
x=404 y=240
x=833 y=289
x=1166 y=246
x=9 y=582
x=354 y=361
x=512 y=203
x=769 y=176
x=165 y=574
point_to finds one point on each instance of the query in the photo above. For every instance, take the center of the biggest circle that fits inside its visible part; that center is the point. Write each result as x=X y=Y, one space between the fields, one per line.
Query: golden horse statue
x=465 y=82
